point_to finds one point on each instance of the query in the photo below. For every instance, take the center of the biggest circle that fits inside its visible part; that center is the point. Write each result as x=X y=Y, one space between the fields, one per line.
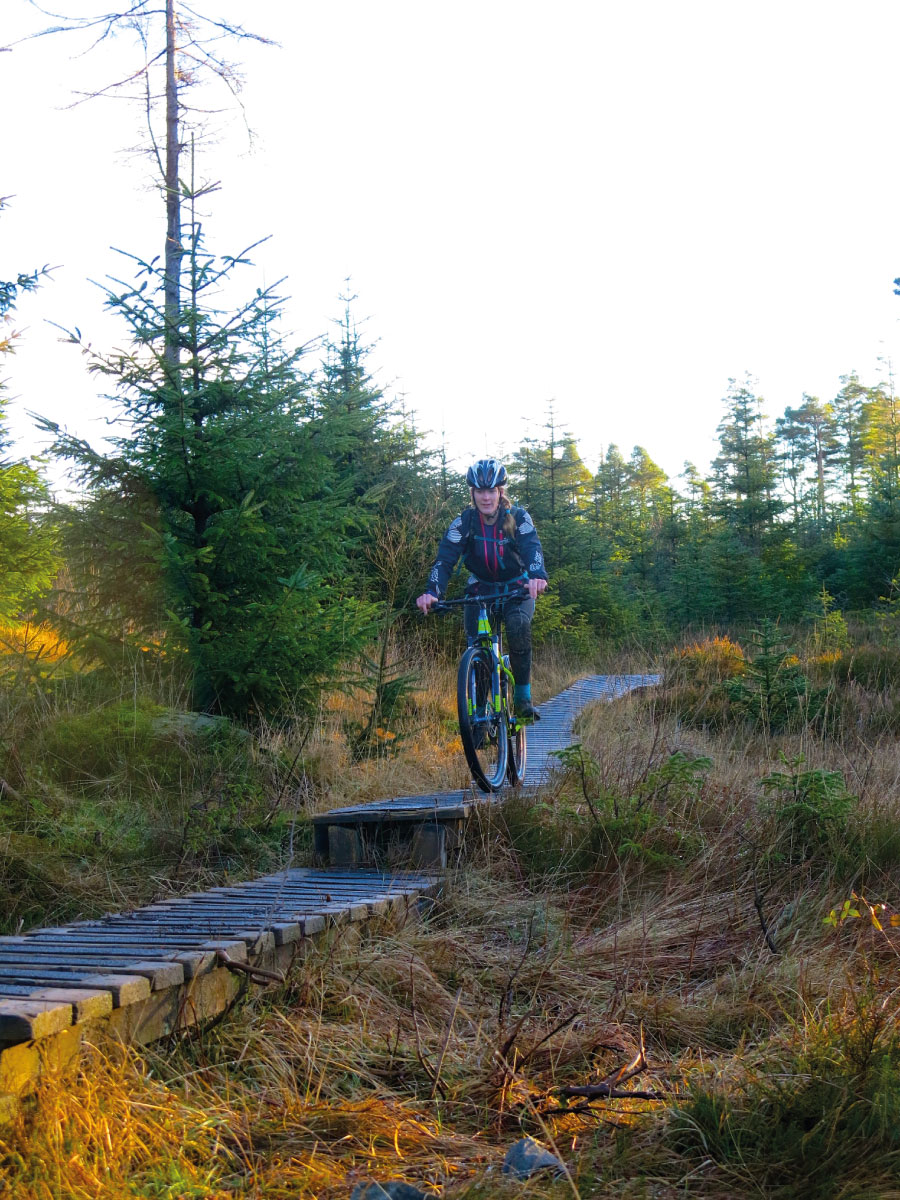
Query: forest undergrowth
x=677 y=966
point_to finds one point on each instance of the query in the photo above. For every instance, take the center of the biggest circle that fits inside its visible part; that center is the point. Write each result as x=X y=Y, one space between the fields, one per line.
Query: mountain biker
x=499 y=545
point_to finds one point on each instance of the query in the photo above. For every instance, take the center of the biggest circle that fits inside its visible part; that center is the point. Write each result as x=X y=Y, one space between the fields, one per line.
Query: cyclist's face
x=487 y=500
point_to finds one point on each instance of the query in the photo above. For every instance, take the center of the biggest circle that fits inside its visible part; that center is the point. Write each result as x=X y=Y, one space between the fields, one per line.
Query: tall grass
x=657 y=894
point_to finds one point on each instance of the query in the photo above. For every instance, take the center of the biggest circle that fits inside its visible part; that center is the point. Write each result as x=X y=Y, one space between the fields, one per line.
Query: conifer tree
x=881 y=441
x=212 y=519
x=28 y=555
x=374 y=452
x=849 y=423
x=809 y=445
x=744 y=470
x=376 y=464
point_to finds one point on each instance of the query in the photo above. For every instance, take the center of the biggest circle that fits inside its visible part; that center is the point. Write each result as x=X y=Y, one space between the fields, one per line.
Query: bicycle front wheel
x=482 y=729
x=518 y=748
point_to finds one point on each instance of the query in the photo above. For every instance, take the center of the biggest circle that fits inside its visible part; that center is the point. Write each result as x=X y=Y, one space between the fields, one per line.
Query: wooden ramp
x=150 y=972
x=423 y=830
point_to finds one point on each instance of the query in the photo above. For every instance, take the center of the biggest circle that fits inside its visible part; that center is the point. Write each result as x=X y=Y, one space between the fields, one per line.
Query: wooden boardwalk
x=146 y=973
x=554 y=730
x=426 y=829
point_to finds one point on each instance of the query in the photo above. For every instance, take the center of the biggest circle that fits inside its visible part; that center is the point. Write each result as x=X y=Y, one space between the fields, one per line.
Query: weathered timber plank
x=124 y=989
x=229 y=916
x=161 y=974
x=86 y=1004
x=193 y=962
x=105 y=935
x=187 y=925
x=26 y=1020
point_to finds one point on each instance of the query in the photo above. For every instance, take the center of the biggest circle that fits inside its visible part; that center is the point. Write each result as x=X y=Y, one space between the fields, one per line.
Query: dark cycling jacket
x=490 y=554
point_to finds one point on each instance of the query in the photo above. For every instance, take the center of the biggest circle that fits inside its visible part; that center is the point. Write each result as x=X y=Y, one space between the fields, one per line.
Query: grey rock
x=527 y=1156
x=393 y=1189
x=185 y=724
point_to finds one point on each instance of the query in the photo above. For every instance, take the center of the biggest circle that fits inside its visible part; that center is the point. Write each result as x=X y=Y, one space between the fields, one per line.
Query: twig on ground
x=609 y=1088
x=255 y=974
x=758 y=905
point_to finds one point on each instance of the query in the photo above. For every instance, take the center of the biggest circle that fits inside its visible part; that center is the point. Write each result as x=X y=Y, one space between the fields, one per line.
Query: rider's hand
x=425 y=601
x=535 y=587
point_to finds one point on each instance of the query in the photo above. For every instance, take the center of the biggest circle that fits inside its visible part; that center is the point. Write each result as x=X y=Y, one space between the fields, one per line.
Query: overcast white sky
x=616 y=206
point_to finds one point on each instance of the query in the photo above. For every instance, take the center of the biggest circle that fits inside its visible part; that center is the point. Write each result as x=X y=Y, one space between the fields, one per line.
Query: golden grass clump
x=707 y=662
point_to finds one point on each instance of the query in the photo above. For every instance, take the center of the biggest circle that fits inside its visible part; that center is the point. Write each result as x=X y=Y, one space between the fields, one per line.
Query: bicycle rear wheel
x=482 y=730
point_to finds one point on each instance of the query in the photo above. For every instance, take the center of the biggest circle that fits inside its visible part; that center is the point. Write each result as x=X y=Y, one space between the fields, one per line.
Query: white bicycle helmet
x=486 y=473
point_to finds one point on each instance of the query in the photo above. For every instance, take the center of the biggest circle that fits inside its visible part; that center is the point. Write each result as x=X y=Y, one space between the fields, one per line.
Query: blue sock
x=522 y=692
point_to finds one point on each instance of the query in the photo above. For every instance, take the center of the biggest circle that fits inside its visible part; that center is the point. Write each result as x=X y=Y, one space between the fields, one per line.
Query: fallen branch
x=611 y=1094
x=547 y=1036
x=758 y=905
x=758 y=896
x=254 y=974
x=610 y=1087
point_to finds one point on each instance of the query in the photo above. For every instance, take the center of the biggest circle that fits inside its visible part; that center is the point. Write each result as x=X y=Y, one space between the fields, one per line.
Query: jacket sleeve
x=529 y=546
x=447 y=557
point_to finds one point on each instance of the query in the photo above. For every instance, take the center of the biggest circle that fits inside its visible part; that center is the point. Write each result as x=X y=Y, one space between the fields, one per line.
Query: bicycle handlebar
x=445 y=605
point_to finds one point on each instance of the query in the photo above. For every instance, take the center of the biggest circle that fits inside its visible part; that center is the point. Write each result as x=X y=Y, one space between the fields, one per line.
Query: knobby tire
x=515 y=766
x=484 y=733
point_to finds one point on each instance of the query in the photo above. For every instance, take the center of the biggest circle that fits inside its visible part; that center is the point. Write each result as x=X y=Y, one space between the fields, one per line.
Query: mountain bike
x=493 y=739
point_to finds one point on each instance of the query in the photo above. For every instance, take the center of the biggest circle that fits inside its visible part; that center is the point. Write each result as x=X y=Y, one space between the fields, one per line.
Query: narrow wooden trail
x=146 y=973
x=427 y=829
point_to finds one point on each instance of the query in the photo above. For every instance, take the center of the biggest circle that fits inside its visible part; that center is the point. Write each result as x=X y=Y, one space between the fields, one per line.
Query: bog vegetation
x=677 y=964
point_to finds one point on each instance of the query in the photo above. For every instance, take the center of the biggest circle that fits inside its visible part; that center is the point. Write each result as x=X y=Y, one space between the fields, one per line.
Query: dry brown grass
x=423 y=1052
x=422 y=753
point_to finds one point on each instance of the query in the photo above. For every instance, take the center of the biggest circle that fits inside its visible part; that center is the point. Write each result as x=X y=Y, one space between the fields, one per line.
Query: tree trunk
x=173 y=197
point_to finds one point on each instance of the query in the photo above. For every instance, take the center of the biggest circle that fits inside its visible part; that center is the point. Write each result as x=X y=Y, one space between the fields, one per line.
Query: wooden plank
x=277 y=900
x=291 y=893
x=232 y=918
x=87 y=1004
x=124 y=989
x=193 y=961
x=27 y=1020
x=103 y=935
x=222 y=931
x=162 y=974
x=258 y=907
x=245 y=911
x=399 y=881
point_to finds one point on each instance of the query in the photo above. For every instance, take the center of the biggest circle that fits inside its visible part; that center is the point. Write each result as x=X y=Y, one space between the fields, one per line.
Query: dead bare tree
x=180 y=47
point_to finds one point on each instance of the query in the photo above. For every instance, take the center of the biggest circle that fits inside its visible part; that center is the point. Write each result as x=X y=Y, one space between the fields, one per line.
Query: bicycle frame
x=490 y=638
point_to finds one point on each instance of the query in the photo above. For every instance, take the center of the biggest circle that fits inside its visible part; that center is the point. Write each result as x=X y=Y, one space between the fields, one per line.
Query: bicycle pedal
x=527 y=716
